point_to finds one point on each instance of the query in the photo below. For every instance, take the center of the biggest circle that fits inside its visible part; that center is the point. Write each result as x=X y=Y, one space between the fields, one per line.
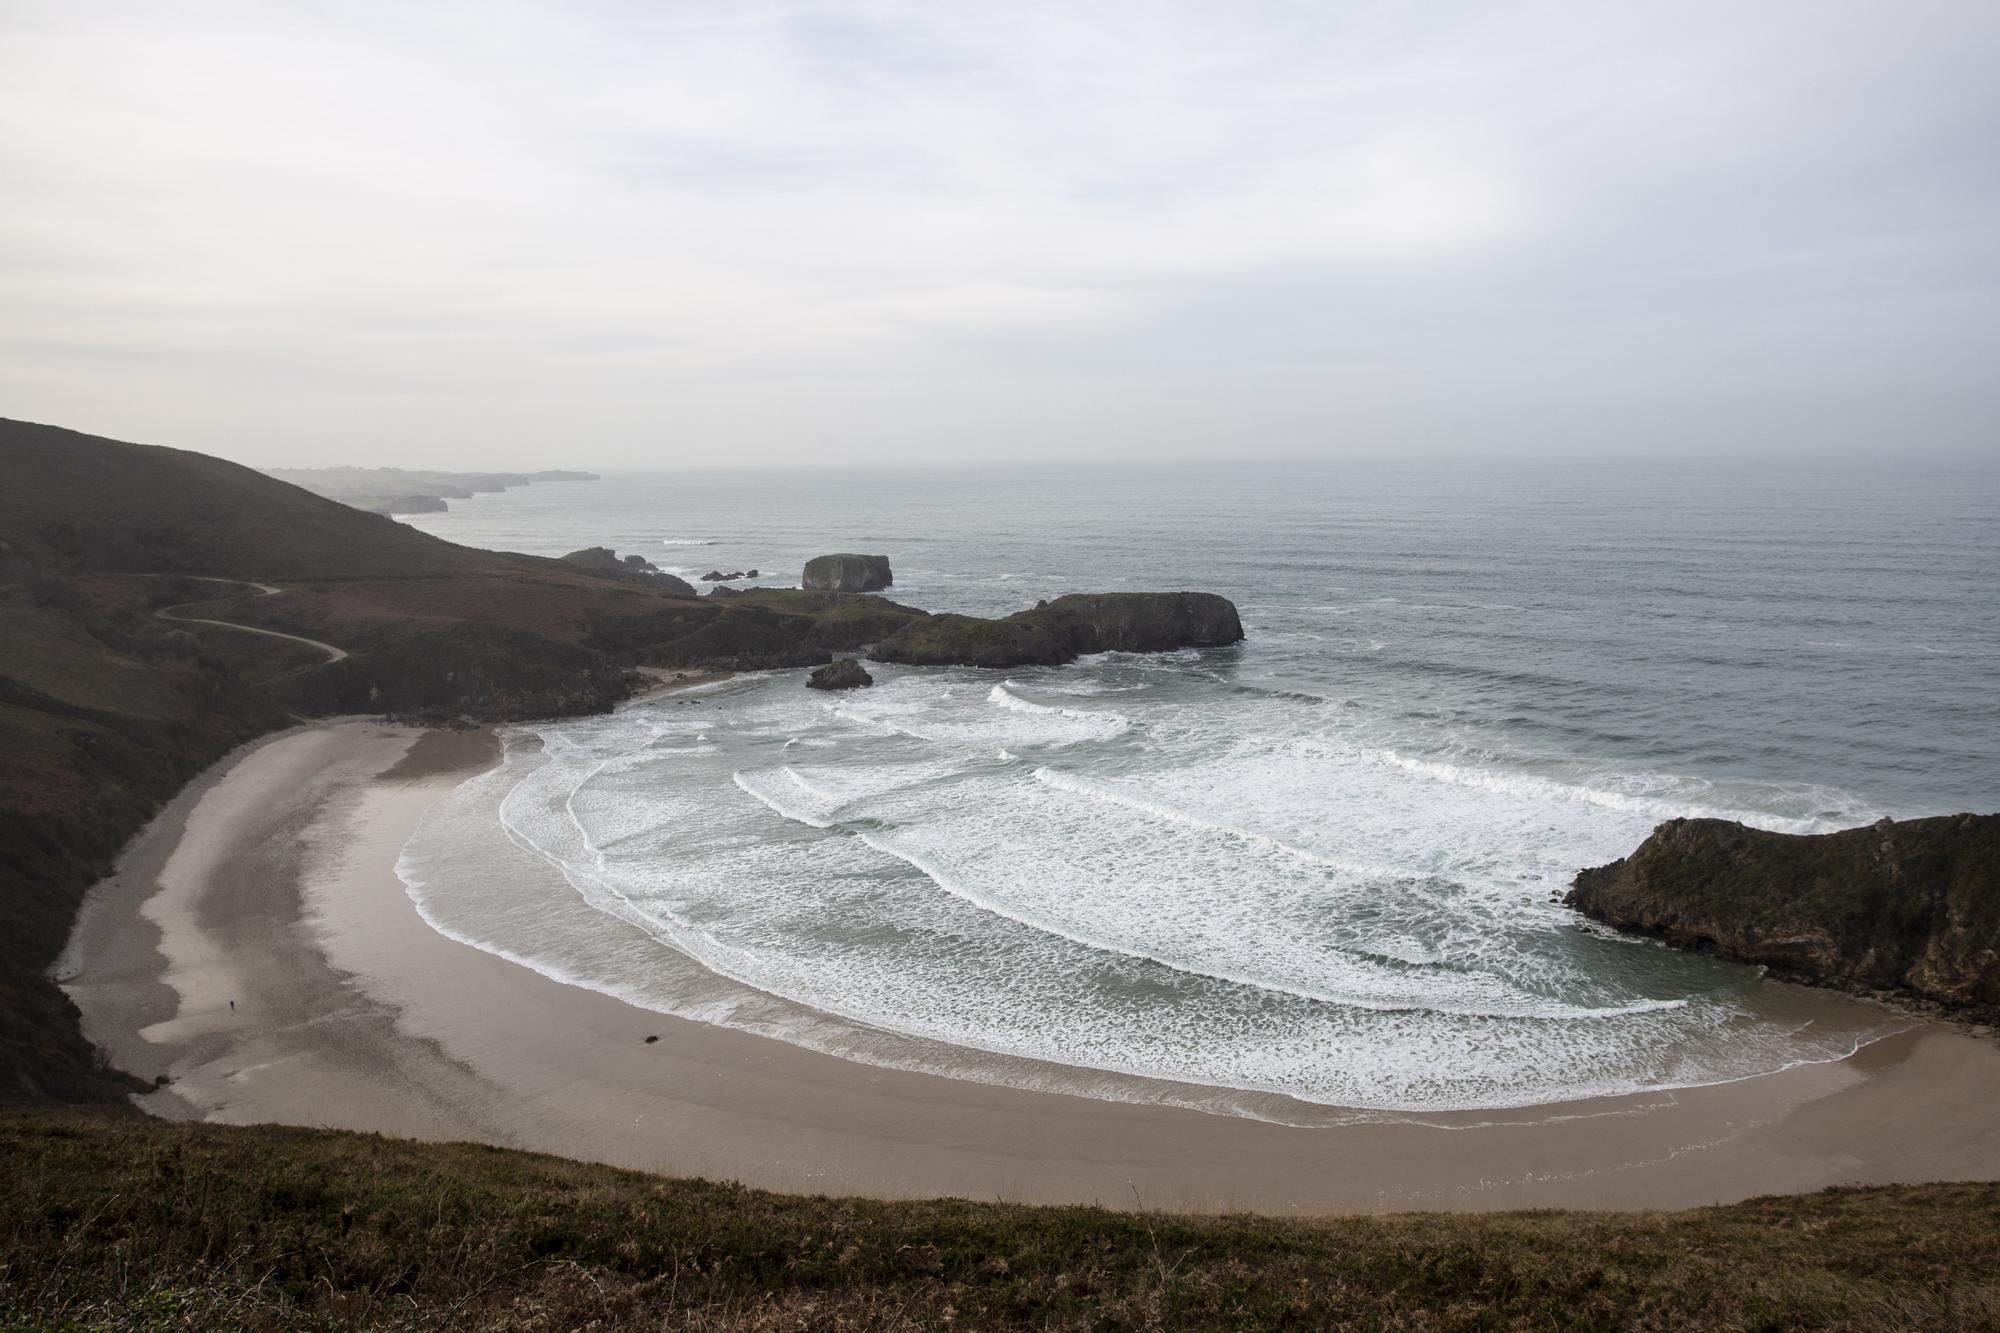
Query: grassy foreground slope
x=149 y=1225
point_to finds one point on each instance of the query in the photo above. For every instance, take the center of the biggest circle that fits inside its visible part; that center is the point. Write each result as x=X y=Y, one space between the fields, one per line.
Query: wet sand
x=271 y=883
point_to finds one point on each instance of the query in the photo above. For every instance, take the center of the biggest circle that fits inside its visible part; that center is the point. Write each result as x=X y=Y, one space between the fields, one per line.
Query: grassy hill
x=128 y=576
x=156 y=1226
x=113 y=695
x=81 y=503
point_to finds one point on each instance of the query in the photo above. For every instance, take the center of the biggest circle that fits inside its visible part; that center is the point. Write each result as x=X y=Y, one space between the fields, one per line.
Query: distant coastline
x=394 y=490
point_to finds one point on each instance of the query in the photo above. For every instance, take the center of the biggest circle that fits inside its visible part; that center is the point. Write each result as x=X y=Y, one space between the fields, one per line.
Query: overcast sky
x=664 y=234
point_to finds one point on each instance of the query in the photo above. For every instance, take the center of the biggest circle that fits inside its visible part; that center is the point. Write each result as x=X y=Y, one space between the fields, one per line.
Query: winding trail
x=333 y=654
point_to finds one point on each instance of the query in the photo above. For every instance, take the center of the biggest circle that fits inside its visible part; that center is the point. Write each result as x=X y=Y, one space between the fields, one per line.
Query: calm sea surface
x=1301 y=878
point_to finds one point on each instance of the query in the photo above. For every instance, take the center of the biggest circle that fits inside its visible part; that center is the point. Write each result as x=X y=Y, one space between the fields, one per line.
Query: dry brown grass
x=155 y=1226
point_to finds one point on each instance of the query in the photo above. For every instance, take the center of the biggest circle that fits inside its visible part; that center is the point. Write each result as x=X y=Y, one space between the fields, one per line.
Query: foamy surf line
x=1003 y=694
x=809 y=1031
x=1517 y=784
x=598 y=771
x=1027 y=1072
x=1099 y=791
x=1198 y=968
x=1020 y=1070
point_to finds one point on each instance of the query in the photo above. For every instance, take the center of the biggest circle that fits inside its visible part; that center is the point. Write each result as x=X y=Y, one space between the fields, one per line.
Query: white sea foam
x=1208 y=897
x=1605 y=795
x=1103 y=791
x=1087 y=724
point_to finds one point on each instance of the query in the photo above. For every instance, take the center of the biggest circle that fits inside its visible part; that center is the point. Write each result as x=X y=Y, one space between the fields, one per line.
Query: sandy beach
x=258 y=950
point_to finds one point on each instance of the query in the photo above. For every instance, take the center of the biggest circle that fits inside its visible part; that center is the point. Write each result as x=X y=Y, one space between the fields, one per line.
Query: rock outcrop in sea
x=1910 y=906
x=846 y=674
x=847 y=573
x=1067 y=628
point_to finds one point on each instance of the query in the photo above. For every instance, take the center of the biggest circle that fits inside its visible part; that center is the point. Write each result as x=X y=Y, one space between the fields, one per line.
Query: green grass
x=122 y=1225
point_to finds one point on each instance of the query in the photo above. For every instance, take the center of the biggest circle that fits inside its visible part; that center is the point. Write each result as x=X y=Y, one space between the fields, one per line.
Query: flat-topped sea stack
x=1909 y=906
x=1067 y=628
x=847 y=573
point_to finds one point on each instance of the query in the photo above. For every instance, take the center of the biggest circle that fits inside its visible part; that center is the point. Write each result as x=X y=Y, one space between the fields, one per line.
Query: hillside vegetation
x=108 y=706
x=109 y=1225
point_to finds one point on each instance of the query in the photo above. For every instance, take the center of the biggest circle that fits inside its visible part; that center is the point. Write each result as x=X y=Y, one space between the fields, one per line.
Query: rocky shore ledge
x=760 y=629
x=1905 y=909
x=1066 y=629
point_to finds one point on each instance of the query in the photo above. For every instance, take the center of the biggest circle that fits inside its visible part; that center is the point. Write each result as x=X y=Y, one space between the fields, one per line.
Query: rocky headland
x=1067 y=628
x=607 y=562
x=1906 y=908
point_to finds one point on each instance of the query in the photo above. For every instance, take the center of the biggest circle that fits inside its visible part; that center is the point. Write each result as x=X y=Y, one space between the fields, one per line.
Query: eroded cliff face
x=1909 y=906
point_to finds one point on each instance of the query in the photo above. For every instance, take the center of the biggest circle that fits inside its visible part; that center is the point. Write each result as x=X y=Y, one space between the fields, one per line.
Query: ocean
x=1309 y=878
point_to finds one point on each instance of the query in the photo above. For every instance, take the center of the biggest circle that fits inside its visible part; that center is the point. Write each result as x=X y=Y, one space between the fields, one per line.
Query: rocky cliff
x=847 y=573
x=1067 y=628
x=1910 y=906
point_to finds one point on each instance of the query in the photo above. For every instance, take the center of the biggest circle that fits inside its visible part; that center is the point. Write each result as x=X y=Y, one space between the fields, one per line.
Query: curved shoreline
x=271 y=882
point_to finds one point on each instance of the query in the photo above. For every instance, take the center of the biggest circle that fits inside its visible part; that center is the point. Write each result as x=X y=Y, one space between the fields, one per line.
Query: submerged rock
x=1910 y=906
x=846 y=674
x=847 y=573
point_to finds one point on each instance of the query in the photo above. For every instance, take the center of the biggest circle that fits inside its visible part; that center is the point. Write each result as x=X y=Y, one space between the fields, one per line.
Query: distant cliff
x=1908 y=906
x=395 y=490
